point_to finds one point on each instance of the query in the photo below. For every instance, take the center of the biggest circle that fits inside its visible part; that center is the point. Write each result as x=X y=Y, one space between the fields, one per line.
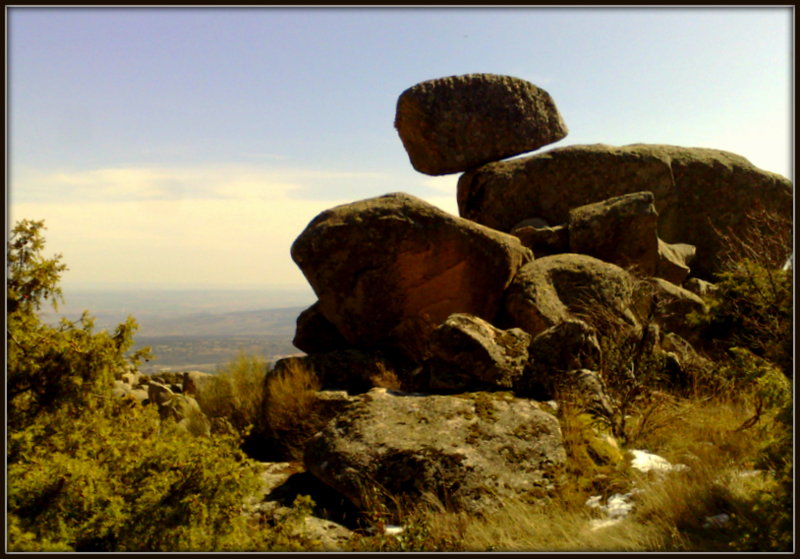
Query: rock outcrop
x=388 y=270
x=453 y=124
x=469 y=451
x=698 y=192
x=468 y=352
x=439 y=333
x=555 y=288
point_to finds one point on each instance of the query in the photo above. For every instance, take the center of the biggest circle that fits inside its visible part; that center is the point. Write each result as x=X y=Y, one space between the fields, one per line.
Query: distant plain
x=195 y=329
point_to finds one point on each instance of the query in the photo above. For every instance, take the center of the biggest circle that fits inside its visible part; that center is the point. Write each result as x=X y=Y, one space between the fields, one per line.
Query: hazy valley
x=197 y=330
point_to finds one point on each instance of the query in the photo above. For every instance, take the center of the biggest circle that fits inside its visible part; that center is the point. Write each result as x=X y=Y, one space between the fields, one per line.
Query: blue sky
x=188 y=148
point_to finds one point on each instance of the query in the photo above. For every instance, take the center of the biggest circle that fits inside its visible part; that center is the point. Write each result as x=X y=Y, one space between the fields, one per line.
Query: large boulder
x=470 y=354
x=453 y=124
x=555 y=288
x=388 y=270
x=621 y=230
x=569 y=345
x=699 y=193
x=670 y=305
x=469 y=450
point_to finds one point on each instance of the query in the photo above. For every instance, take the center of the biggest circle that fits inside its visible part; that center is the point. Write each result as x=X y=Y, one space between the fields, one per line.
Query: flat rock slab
x=698 y=192
x=388 y=270
x=453 y=124
x=469 y=450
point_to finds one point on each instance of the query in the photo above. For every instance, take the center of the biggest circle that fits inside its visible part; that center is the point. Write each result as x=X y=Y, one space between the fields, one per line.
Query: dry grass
x=670 y=511
x=235 y=392
x=291 y=413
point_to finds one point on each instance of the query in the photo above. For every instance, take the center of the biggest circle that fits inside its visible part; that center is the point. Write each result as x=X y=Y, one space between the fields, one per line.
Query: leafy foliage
x=94 y=487
x=236 y=392
x=751 y=307
x=90 y=472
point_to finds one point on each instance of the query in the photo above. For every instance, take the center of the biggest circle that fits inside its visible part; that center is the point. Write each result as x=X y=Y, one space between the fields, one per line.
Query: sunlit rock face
x=699 y=194
x=470 y=450
x=388 y=270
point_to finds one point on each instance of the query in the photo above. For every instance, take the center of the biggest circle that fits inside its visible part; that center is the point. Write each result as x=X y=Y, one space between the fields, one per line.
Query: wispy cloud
x=211 y=181
x=221 y=225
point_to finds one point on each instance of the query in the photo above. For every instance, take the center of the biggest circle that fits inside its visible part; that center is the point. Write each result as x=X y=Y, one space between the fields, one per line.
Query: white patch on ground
x=619 y=505
x=646 y=462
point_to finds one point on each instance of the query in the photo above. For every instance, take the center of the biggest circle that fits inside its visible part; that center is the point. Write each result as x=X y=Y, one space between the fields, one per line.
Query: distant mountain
x=196 y=330
x=266 y=322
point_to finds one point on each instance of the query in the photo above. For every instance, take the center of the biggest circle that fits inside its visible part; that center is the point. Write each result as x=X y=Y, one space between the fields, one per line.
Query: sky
x=187 y=148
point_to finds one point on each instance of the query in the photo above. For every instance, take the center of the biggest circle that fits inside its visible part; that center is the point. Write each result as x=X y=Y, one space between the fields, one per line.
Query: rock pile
x=480 y=315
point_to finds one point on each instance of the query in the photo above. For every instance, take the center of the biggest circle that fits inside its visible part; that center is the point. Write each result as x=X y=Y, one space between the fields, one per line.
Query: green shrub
x=126 y=482
x=236 y=392
x=91 y=472
x=751 y=307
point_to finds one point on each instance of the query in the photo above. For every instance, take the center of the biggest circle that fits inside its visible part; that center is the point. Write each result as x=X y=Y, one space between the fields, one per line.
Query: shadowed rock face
x=468 y=352
x=388 y=270
x=453 y=124
x=697 y=192
x=467 y=450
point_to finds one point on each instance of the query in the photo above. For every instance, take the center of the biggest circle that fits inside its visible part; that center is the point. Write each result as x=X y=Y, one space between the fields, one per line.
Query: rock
x=194 y=381
x=698 y=192
x=315 y=334
x=470 y=354
x=452 y=124
x=541 y=238
x=131 y=378
x=590 y=385
x=621 y=230
x=672 y=304
x=470 y=450
x=388 y=270
x=120 y=389
x=140 y=395
x=699 y=287
x=158 y=393
x=569 y=345
x=186 y=412
x=683 y=363
x=673 y=261
x=555 y=288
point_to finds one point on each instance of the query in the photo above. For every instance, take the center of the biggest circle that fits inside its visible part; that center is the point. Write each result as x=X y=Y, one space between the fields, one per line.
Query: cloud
x=209 y=226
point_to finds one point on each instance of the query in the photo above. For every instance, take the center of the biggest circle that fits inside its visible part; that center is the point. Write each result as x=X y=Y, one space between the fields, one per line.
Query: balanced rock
x=453 y=124
x=470 y=354
x=388 y=270
x=699 y=193
x=555 y=288
x=469 y=450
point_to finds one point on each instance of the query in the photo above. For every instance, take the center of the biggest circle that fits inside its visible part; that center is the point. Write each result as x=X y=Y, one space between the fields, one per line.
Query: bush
x=751 y=307
x=291 y=412
x=236 y=392
x=125 y=482
x=91 y=472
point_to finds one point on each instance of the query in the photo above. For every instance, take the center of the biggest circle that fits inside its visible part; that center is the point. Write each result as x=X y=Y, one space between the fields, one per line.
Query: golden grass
x=291 y=413
x=670 y=509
